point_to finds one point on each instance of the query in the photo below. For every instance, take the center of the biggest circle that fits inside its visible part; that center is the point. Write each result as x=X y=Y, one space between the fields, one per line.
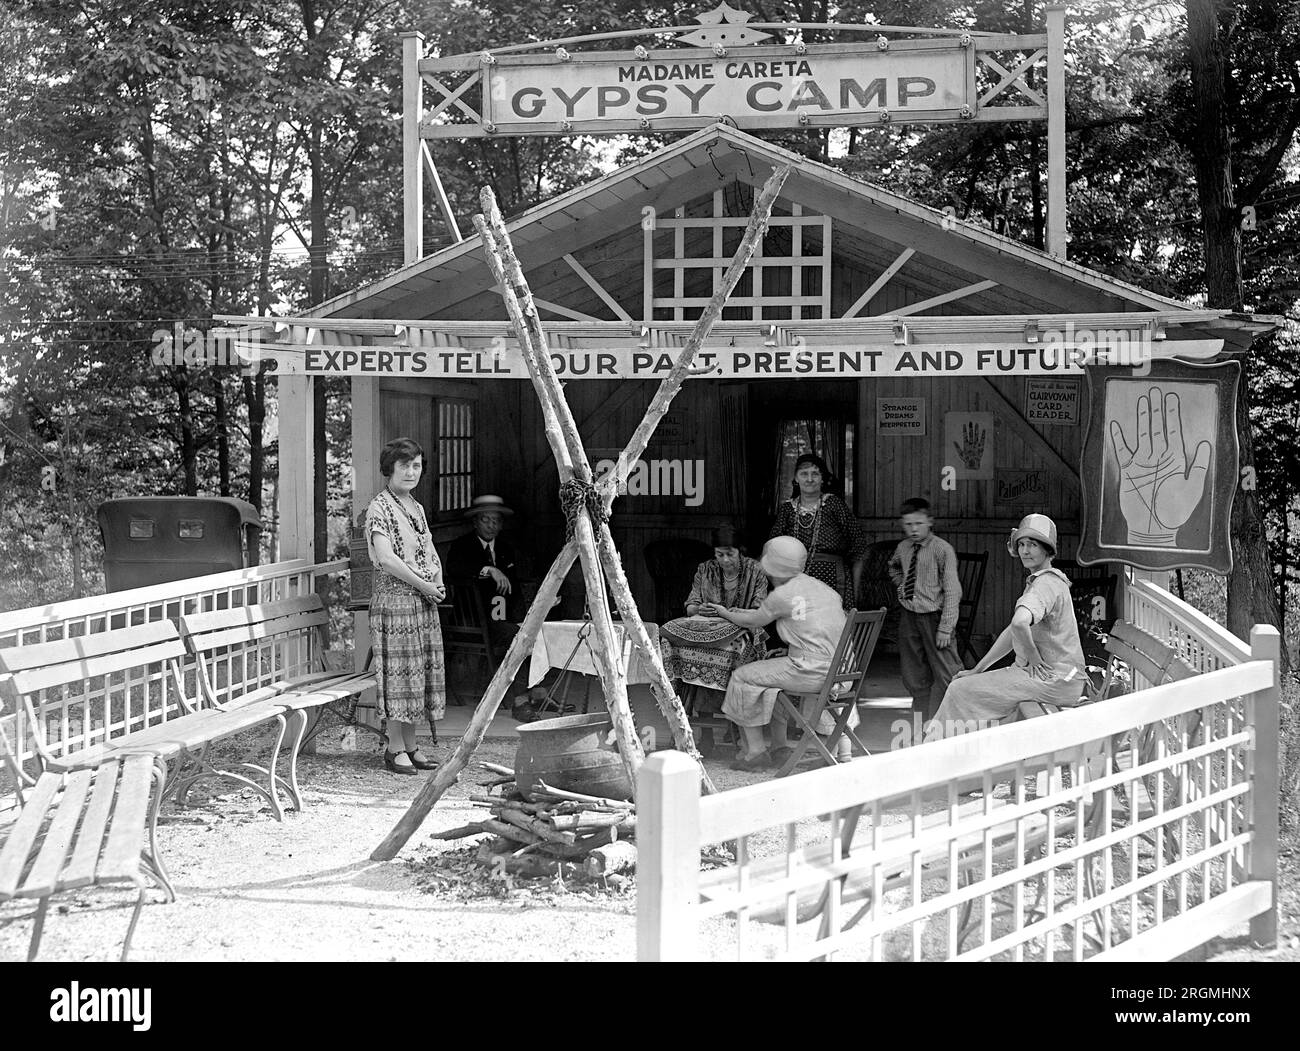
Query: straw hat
x=483 y=504
x=783 y=556
x=1035 y=527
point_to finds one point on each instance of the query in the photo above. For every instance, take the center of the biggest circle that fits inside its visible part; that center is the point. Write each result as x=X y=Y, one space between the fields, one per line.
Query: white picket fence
x=1163 y=835
x=76 y=718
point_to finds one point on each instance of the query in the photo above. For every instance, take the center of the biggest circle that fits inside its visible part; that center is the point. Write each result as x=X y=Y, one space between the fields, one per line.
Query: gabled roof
x=871 y=226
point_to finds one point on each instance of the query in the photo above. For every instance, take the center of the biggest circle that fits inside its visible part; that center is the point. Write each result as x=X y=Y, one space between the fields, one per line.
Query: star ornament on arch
x=724 y=26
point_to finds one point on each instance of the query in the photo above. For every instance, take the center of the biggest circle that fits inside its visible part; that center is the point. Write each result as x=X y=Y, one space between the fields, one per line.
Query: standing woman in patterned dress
x=404 y=626
x=823 y=523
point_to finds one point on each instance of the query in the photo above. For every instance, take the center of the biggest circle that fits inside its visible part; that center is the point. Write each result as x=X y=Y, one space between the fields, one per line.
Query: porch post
x=1056 y=131
x=366 y=444
x=412 y=163
x=1265 y=645
x=295 y=417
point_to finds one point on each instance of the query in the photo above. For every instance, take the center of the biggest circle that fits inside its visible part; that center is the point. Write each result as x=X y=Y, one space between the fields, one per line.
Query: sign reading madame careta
x=757 y=87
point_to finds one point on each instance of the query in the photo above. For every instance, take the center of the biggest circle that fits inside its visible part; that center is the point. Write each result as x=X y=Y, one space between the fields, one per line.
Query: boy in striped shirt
x=924 y=569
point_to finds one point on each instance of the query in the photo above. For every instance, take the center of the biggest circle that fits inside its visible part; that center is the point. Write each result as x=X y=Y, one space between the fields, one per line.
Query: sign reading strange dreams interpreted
x=1160 y=466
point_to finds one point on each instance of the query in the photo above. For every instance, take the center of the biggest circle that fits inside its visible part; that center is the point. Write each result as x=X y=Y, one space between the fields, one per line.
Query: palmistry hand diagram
x=1158 y=488
x=971 y=449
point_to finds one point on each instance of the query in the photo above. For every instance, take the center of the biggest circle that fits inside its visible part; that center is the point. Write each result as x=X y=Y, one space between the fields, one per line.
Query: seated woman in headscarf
x=810 y=619
x=824 y=525
x=705 y=650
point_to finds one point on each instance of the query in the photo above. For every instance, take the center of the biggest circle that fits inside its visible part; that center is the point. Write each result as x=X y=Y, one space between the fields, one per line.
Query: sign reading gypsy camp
x=756 y=87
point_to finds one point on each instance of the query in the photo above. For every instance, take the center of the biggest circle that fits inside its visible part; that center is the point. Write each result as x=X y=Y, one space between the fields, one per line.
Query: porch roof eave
x=879 y=328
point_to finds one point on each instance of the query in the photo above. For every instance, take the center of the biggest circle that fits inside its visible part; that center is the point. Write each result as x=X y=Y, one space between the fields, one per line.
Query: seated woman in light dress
x=705 y=650
x=1043 y=635
x=810 y=620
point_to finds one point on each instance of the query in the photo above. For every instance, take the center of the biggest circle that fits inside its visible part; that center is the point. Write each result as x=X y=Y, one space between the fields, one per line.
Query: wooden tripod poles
x=586 y=505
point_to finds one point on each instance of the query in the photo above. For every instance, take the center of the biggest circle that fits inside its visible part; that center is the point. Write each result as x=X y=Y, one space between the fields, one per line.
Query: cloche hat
x=1035 y=527
x=783 y=556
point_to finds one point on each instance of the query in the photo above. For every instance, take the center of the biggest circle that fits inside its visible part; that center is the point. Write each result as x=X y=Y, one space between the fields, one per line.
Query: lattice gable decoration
x=687 y=252
x=1011 y=75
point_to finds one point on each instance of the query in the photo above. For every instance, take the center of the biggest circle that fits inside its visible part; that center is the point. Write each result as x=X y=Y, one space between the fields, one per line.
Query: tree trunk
x=1252 y=595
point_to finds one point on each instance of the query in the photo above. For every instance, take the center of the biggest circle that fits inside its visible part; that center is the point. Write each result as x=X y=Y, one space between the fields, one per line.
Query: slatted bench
x=242 y=641
x=186 y=730
x=184 y=723
x=88 y=827
x=1142 y=652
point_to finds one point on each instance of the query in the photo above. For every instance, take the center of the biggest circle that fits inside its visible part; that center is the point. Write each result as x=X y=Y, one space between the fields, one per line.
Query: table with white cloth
x=555 y=644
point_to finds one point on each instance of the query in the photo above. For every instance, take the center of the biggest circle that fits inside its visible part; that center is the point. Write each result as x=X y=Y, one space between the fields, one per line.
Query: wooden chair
x=466 y=630
x=840 y=693
x=970 y=570
x=878 y=590
x=94 y=826
x=672 y=563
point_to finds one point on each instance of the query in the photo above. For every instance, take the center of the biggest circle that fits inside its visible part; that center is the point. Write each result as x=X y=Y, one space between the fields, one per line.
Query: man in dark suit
x=484 y=557
x=486 y=560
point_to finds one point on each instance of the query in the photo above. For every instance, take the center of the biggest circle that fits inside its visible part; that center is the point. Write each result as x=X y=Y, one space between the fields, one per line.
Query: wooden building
x=877 y=324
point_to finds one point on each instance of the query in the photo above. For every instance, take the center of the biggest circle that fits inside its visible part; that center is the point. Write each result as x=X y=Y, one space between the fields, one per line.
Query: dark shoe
x=758 y=762
x=390 y=761
x=781 y=756
x=421 y=764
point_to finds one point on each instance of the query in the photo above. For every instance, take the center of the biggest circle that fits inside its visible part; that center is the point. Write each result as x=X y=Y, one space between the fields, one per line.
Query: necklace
x=417 y=525
x=808 y=521
x=805 y=514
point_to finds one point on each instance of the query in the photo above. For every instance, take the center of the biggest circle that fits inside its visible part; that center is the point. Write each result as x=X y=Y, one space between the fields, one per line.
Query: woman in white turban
x=809 y=618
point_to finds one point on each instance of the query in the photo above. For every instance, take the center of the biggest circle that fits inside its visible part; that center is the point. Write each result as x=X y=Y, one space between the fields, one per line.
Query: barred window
x=455 y=437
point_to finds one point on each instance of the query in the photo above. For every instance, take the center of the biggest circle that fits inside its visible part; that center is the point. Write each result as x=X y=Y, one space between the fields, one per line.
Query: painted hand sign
x=1158 y=488
x=968 y=437
x=971 y=449
x=1159 y=466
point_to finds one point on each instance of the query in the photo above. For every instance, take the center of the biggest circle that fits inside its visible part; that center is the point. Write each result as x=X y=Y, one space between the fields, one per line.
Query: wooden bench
x=248 y=636
x=186 y=730
x=193 y=721
x=1155 y=661
x=92 y=826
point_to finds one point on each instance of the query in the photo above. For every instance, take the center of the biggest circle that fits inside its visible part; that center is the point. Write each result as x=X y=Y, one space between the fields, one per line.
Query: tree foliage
x=165 y=161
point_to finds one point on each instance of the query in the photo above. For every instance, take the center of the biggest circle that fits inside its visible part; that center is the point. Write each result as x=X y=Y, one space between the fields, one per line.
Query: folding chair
x=840 y=692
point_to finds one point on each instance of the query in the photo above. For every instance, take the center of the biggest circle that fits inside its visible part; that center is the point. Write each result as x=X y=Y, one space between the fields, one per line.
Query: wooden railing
x=1205 y=645
x=1163 y=835
x=109 y=708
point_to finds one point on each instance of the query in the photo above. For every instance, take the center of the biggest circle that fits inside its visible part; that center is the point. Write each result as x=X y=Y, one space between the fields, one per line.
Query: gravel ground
x=251 y=888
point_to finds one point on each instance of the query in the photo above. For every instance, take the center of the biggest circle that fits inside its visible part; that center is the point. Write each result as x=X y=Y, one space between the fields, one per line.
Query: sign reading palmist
x=757 y=83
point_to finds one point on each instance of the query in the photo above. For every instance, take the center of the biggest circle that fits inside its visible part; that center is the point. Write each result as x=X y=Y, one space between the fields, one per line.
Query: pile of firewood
x=558 y=833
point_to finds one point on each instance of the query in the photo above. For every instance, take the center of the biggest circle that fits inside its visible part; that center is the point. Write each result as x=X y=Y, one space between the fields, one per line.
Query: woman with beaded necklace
x=823 y=523
x=404 y=628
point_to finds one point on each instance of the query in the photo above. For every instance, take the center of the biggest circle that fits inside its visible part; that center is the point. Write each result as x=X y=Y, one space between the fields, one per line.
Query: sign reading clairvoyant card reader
x=757 y=87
